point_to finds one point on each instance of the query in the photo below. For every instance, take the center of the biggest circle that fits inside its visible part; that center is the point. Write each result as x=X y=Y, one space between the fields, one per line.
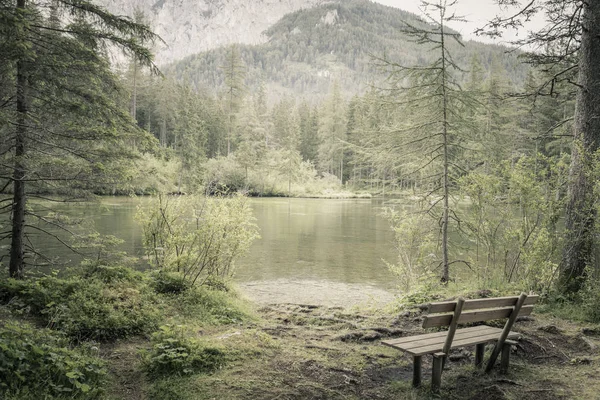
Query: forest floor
x=309 y=352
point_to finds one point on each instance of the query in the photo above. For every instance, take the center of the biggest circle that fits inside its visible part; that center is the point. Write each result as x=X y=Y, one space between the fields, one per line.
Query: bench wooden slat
x=460 y=343
x=477 y=304
x=460 y=335
x=473 y=316
x=442 y=335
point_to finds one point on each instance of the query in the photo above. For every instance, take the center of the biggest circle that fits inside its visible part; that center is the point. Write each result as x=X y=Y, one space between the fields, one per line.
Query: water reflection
x=336 y=240
x=317 y=240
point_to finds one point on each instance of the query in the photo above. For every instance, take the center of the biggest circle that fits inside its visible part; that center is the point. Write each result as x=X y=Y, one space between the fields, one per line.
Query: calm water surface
x=311 y=250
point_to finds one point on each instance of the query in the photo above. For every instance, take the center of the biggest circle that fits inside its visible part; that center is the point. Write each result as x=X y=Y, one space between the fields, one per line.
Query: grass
x=294 y=352
x=304 y=352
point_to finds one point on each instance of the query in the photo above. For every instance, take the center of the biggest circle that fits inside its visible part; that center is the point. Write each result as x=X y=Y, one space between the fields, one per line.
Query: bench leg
x=436 y=373
x=417 y=371
x=479 y=351
x=504 y=361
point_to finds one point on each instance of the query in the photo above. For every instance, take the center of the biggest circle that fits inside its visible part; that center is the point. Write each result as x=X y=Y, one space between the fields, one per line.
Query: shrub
x=165 y=282
x=106 y=312
x=175 y=354
x=197 y=237
x=37 y=364
x=590 y=297
x=99 y=307
x=113 y=274
x=212 y=307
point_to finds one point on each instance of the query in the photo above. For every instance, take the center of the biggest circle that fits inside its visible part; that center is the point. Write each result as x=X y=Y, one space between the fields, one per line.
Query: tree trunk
x=163 y=132
x=446 y=184
x=16 y=263
x=134 y=92
x=580 y=213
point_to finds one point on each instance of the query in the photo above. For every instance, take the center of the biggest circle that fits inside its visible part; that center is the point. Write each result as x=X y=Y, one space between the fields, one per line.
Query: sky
x=477 y=12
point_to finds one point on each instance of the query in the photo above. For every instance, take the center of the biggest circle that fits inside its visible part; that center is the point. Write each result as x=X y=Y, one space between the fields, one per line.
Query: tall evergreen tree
x=437 y=133
x=332 y=132
x=62 y=122
x=235 y=72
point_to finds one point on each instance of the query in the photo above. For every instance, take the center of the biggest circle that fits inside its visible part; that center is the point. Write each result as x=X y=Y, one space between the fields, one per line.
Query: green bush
x=165 y=282
x=37 y=364
x=98 y=307
x=175 y=354
x=113 y=274
x=212 y=307
x=107 y=312
x=590 y=297
x=196 y=236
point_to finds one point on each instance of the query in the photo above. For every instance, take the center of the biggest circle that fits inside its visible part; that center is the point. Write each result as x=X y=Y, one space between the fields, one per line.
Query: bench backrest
x=477 y=310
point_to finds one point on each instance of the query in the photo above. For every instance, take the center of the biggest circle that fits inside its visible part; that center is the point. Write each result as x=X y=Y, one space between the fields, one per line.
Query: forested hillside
x=308 y=49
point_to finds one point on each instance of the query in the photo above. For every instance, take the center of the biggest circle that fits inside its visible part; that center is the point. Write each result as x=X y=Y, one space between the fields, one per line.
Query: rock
x=591 y=331
x=525 y=318
x=360 y=337
x=591 y=346
x=388 y=331
x=192 y=26
x=371 y=337
x=581 y=360
x=550 y=329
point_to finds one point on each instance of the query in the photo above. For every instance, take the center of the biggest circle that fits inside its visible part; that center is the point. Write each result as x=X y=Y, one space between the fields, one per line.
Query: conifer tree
x=234 y=70
x=63 y=127
x=436 y=134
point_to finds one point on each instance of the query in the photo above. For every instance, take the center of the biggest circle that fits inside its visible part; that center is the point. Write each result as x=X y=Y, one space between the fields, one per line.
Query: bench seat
x=434 y=342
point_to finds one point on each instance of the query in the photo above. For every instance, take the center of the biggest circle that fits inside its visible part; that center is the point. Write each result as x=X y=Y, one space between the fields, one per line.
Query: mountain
x=191 y=26
x=307 y=49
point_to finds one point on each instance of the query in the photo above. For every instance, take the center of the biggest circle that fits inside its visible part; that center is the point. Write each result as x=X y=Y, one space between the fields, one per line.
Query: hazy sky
x=477 y=12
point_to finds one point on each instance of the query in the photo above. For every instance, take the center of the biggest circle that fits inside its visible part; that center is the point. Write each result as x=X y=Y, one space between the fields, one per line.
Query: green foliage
x=198 y=237
x=174 y=353
x=113 y=274
x=415 y=240
x=425 y=289
x=513 y=221
x=590 y=296
x=211 y=306
x=38 y=364
x=167 y=282
x=224 y=176
x=108 y=304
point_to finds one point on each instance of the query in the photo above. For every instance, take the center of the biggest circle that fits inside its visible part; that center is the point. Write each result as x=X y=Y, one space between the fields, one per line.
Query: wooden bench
x=453 y=313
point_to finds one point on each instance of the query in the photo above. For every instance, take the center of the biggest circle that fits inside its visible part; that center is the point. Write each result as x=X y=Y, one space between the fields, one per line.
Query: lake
x=313 y=251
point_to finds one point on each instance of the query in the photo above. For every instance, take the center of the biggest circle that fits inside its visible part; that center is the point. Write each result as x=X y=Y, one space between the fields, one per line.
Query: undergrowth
x=53 y=352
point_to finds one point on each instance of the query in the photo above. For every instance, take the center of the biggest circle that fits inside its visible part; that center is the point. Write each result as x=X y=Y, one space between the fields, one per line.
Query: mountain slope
x=308 y=49
x=192 y=26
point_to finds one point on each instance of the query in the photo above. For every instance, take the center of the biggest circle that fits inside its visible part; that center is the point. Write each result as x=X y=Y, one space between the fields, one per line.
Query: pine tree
x=332 y=133
x=436 y=134
x=65 y=130
x=235 y=72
